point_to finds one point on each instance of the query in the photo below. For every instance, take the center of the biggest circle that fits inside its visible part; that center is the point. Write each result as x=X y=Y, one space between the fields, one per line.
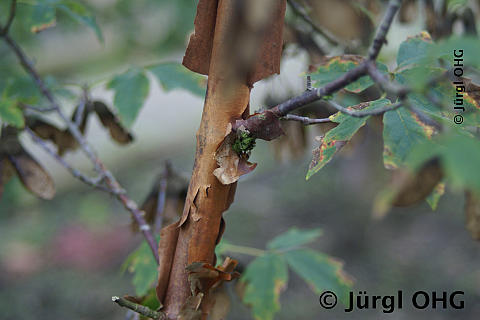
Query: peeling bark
x=201 y=226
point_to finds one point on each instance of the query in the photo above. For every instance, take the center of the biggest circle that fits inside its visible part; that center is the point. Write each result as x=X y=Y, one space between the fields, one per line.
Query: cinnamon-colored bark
x=194 y=237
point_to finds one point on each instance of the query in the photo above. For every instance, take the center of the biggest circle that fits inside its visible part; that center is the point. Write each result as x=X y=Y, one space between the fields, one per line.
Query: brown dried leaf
x=408 y=11
x=414 y=188
x=110 y=121
x=33 y=175
x=63 y=139
x=472 y=211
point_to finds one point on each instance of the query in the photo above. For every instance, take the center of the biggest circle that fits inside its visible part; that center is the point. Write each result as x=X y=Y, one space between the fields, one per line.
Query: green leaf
x=38 y=16
x=174 y=75
x=320 y=271
x=142 y=264
x=293 y=238
x=131 y=89
x=335 y=67
x=461 y=159
x=22 y=89
x=265 y=278
x=402 y=130
x=445 y=49
x=459 y=154
x=336 y=137
x=10 y=113
x=435 y=196
x=414 y=51
x=81 y=14
x=443 y=91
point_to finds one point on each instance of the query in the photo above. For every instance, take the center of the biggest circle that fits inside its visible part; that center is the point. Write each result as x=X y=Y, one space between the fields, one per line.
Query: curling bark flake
x=220 y=31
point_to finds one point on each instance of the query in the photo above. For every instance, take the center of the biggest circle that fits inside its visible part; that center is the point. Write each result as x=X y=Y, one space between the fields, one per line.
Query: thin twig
x=305 y=120
x=299 y=10
x=143 y=310
x=347 y=78
x=110 y=180
x=94 y=182
x=11 y=16
x=37 y=109
x=381 y=35
x=366 y=113
x=386 y=85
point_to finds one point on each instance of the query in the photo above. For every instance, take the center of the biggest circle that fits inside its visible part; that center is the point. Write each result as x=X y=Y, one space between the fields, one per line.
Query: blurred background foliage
x=62 y=258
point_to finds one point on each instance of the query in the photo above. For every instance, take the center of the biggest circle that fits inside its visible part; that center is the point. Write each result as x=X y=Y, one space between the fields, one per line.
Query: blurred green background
x=61 y=258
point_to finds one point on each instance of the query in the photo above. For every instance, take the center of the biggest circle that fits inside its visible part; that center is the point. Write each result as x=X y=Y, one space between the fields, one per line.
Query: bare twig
x=37 y=109
x=305 y=120
x=110 y=180
x=299 y=10
x=347 y=78
x=143 y=310
x=316 y=94
x=382 y=30
x=94 y=182
x=384 y=83
x=11 y=16
x=366 y=113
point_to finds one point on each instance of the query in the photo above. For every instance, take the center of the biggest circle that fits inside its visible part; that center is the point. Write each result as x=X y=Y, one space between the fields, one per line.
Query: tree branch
x=366 y=113
x=94 y=182
x=380 y=37
x=112 y=183
x=13 y=9
x=347 y=78
x=143 y=310
x=305 y=120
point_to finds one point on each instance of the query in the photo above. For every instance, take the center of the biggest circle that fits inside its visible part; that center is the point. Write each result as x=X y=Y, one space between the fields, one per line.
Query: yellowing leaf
x=338 y=136
x=265 y=278
x=320 y=271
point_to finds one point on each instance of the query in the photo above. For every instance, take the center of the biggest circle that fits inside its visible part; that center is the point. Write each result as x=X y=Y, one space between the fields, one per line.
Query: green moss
x=244 y=142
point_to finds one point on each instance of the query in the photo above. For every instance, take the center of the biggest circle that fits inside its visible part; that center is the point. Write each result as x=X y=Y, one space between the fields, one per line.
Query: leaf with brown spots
x=402 y=131
x=333 y=68
x=265 y=278
x=338 y=136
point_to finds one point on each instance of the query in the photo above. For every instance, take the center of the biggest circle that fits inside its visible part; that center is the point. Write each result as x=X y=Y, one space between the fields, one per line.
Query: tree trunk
x=194 y=237
x=226 y=100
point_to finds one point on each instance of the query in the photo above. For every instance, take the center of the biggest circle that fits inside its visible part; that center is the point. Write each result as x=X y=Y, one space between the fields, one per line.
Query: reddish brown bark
x=194 y=237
